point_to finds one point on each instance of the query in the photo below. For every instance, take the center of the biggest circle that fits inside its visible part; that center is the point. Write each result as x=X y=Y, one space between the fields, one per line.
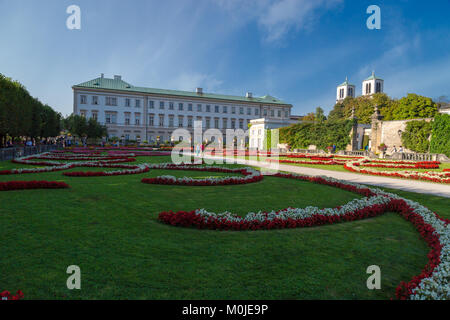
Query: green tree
x=364 y=107
x=416 y=136
x=412 y=106
x=440 y=140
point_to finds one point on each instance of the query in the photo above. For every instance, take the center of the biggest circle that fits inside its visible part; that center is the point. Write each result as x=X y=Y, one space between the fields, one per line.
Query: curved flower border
x=250 y=176
x=23 y=185
x=432 y=283
x=355 y=166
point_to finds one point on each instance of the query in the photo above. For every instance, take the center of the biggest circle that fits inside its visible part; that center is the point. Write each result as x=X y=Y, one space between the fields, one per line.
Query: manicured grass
x=108 y=226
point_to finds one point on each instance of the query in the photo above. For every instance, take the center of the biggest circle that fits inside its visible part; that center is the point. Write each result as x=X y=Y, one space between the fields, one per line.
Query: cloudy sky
x=297 y=50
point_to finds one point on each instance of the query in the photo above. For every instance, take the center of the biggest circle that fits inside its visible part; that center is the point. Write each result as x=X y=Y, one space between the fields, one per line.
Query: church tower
x=372 y=85
x=345 y=90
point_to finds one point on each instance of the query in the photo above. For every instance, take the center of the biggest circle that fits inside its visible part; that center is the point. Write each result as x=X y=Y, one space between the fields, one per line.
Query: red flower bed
x=404 y=291
x=22 y=185
x=129 y=170
x=169 y=180
x=6 y=295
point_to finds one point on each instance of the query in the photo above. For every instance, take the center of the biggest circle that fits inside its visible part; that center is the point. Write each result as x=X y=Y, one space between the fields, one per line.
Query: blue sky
x=296 y=50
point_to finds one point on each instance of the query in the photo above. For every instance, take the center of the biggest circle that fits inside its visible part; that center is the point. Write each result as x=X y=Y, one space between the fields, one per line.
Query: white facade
x=372 y=85
x=146 y=114
x=345 y=90
x=259 y=127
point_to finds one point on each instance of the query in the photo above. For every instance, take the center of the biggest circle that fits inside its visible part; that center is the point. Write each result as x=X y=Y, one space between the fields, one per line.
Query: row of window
x=112 y=101
x=111 y=118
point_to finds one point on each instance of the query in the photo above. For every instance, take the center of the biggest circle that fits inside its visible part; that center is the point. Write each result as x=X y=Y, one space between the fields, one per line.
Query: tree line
x=413 y=106
x=428 y=136
x=24 y=116
x=324 y=131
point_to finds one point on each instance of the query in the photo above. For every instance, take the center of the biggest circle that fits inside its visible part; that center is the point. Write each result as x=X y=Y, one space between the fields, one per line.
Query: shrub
x=440 y=140
x=416 y=136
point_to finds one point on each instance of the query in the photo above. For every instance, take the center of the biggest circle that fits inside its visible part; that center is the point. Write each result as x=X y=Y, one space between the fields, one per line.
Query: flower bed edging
x=250 y=176
x=432 y=283
x=23 y=185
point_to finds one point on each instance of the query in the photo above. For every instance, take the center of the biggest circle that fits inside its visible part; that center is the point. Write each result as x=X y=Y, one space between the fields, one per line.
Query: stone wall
x=389 y=132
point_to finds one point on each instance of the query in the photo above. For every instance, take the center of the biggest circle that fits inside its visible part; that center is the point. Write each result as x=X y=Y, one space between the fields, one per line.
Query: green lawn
x=108 y=226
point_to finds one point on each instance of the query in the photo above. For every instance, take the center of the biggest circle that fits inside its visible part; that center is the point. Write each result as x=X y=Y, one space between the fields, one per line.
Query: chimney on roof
x=102 y=75
x=117 y=77
x=249 y=95
x=199 y=90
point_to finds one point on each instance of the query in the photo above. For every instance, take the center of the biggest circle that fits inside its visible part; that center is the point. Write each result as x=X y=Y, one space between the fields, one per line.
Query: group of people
x=394 y=149
x=199 y=148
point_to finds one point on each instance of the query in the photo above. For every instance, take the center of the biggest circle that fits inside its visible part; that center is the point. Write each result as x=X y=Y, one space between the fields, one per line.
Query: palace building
x=148 y=114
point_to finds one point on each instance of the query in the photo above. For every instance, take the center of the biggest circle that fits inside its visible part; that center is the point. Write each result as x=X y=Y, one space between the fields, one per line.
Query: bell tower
x=372 y=85
x=345 y=90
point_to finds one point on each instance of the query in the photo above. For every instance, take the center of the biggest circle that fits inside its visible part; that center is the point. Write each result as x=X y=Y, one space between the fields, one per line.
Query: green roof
x=119 y=84
x=345 y=83
x=372 y=77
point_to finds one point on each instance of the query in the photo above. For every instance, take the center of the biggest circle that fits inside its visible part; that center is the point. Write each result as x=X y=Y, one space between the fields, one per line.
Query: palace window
x=83 y=99
x=127 y=102
x=161 y=105
x=138 y=103
x=233 y=123
x=224 y=109
x=95 y=116
x=180 y=106
x=216 y=109
x=137 y=119
x=189 y=122
x=171 y=120
x=208 y=108
x=233 y=110
x=216 y=123
x=180 y=121
x=151 y=120
x=151 y=104
x=111 y=101
x=241 y=110
x=170 y=105
x=208 y=123
x=161 y=120
x=225 y=123
x=241 y=123
x=249 y=111
x=190 y=107
x=199 y=108
x=256 y=111
x=94 y=100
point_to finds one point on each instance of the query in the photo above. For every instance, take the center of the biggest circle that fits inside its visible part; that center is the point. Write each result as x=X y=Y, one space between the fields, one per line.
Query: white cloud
x=276 y=18
x=286 y=15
